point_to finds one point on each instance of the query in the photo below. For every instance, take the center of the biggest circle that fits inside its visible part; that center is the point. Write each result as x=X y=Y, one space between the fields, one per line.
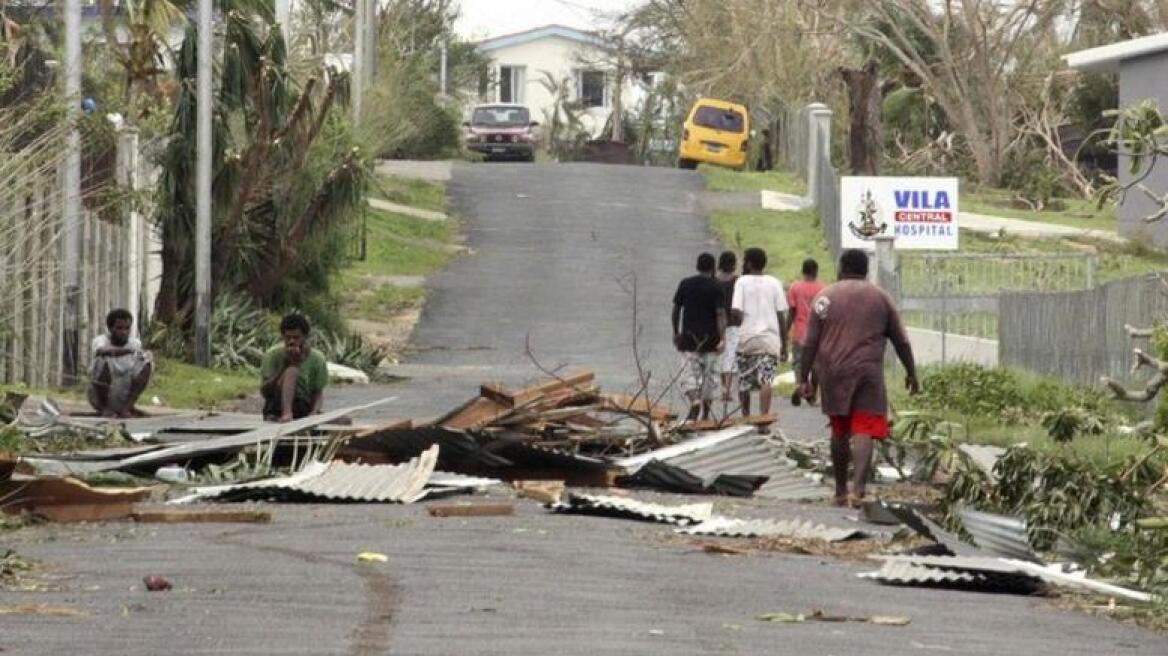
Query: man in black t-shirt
x=699 y=328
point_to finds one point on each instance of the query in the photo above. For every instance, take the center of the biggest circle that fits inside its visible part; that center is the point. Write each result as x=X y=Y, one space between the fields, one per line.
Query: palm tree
x=280 y=190
x=563 y=128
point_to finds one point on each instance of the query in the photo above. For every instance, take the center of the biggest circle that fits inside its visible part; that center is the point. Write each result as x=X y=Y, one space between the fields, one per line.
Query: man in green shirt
x=294 y=375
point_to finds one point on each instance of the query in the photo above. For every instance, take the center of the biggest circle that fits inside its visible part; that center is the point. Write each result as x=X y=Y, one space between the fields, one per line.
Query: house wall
x=561 y=58
x=1141 y=79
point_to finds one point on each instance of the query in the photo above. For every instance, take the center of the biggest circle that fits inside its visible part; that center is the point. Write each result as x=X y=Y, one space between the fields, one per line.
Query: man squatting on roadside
x=293 y=375
x=120 y=369
x=845 y=341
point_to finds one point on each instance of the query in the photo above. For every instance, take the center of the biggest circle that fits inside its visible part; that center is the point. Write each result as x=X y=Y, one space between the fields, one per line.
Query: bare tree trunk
x=618 y=114
x=866 y=130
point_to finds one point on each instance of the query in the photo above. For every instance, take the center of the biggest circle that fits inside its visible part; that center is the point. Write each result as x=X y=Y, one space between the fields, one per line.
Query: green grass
x=396 y=245
x=1078 y=213
x=723 y=179
x=181 y=385
x=422 y=194
x=391 y=249
x=175 y=383
x=787 y=237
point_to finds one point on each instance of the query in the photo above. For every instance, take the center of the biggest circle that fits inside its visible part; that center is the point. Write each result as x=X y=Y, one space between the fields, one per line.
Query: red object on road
x=156 y=583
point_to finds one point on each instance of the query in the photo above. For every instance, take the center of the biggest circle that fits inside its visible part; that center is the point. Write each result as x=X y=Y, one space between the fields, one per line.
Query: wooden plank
x=476 y=510
x=758 y=420
x=85 y=512
x=202 y=516
x=542 y=491
x=497 y=393
x=480 y=413
x=574 y=381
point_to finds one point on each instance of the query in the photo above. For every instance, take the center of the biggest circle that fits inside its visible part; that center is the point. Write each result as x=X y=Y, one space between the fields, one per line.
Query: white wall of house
x=518 y=70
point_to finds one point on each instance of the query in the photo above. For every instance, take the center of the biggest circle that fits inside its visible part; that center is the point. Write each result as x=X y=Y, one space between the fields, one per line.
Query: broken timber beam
x=476 y=510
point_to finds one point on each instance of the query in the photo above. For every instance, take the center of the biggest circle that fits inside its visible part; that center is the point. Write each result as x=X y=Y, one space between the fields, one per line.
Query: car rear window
x=500 y=116
x=727 y=120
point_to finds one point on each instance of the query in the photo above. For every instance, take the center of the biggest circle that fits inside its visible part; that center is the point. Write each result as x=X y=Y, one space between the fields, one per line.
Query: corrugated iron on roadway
x=620 y=507
x=335 y=481
x=1001 y=535
x=737 y=454
x=746 y=528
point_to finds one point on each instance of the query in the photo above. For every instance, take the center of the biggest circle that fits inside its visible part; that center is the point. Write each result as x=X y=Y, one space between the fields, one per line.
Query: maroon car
x=501 y=132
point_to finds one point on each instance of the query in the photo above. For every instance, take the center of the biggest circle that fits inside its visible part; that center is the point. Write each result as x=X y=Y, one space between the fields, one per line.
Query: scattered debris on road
x=470 y=510
x=155 y=583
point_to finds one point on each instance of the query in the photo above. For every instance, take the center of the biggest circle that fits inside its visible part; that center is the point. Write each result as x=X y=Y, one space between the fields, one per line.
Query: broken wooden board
x=479 y=413
x=201 y=516
x=467 y=510
x=69 y=500
x=542 y=491
x=563 y=386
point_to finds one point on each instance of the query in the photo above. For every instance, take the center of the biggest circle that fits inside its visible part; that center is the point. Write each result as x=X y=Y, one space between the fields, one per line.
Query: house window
x=590 y=86
x=511 y=82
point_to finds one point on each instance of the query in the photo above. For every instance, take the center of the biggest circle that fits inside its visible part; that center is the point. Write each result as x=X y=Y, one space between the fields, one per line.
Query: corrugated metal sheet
x=738 y=451
x=621 y=507
x=335 y=481
x=997 y=574
x=743 y=528
x=931 y=530
x=983 y=456
x=666 y=476
x=908 y=573
x=1001 y=535
x=459 y=451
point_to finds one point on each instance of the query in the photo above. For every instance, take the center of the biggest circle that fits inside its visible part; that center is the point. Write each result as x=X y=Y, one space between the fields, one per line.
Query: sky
x=489 y=18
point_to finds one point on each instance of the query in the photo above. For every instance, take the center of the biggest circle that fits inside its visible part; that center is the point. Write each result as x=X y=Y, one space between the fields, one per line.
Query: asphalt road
x=551 y=243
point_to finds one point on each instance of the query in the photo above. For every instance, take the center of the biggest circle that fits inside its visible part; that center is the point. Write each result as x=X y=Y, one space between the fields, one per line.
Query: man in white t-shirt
x=120 y=370
x=760 y=303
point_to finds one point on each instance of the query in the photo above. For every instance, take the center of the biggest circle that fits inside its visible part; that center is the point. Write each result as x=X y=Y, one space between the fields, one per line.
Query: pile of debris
x=563 y=430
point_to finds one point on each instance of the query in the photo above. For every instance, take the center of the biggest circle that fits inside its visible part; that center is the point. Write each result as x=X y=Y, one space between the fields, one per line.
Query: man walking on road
x=799 y=296
x=727 y=276
x=699 y=326
x=761 y=306
x=293 y=375
x=845 y=340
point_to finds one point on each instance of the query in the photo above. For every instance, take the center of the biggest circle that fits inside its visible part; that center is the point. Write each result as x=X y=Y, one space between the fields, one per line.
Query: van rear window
x=726 y=120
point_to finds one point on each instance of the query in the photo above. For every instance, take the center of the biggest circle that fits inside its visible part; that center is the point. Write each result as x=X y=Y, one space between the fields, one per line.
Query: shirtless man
x=849 y=323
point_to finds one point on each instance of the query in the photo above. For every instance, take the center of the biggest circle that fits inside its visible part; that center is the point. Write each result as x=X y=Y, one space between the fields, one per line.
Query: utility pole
x=71 y=197
x=203 y=190
x=357 y=74
x=442 y=72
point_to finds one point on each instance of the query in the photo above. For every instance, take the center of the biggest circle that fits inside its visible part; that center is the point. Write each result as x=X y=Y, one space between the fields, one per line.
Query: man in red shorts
x=845 y=341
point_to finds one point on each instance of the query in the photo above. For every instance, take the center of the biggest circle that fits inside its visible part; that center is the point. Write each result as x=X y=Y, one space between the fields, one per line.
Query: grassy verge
x=787 y=237
x=722 y=179
x=422 y=194
x=396 y=245
x=175 y=383
x=1075 y=212
x=181 y=385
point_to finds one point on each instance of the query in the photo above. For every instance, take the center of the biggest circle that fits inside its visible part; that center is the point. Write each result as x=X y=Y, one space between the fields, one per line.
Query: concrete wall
x=929 y=345
x=1141 y=79
x=561 y=57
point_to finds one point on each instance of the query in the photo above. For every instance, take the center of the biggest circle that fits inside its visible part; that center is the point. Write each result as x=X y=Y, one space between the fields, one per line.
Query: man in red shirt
x=850 y=321
x=799 y=296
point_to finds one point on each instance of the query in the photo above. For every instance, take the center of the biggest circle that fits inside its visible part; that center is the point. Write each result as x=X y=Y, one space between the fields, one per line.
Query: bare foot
x=285 y=419
x=109 y=414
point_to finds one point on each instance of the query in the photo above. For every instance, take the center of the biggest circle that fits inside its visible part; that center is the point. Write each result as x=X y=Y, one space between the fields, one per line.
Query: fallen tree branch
x=1153 y=386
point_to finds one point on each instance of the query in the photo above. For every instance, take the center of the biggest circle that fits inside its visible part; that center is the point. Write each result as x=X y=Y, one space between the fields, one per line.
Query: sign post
x=920 y=213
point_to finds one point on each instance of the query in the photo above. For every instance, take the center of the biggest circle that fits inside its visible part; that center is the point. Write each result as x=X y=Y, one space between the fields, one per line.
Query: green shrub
x=973 y=390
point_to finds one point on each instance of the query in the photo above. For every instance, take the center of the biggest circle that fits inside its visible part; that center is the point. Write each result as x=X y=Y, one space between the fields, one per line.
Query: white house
x=522 y=63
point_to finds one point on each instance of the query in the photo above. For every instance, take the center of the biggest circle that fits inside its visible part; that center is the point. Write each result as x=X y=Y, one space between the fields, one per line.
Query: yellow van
x=717 y=132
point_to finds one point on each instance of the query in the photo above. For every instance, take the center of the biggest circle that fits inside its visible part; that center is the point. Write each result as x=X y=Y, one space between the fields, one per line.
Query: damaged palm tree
x=286 y=174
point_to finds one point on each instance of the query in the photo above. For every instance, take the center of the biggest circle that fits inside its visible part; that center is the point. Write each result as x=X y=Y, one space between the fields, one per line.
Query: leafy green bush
x=351 y=350
x=974 y=390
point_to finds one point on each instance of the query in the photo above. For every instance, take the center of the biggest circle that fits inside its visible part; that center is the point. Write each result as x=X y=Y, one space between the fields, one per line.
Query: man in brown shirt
x=845 y=341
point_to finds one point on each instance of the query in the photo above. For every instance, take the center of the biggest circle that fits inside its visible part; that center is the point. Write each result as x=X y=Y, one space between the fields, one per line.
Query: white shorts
x=728 y=362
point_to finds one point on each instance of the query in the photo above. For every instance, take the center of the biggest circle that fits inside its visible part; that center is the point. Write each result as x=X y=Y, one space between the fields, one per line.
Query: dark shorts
x=859 y=423
x=300 y=407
